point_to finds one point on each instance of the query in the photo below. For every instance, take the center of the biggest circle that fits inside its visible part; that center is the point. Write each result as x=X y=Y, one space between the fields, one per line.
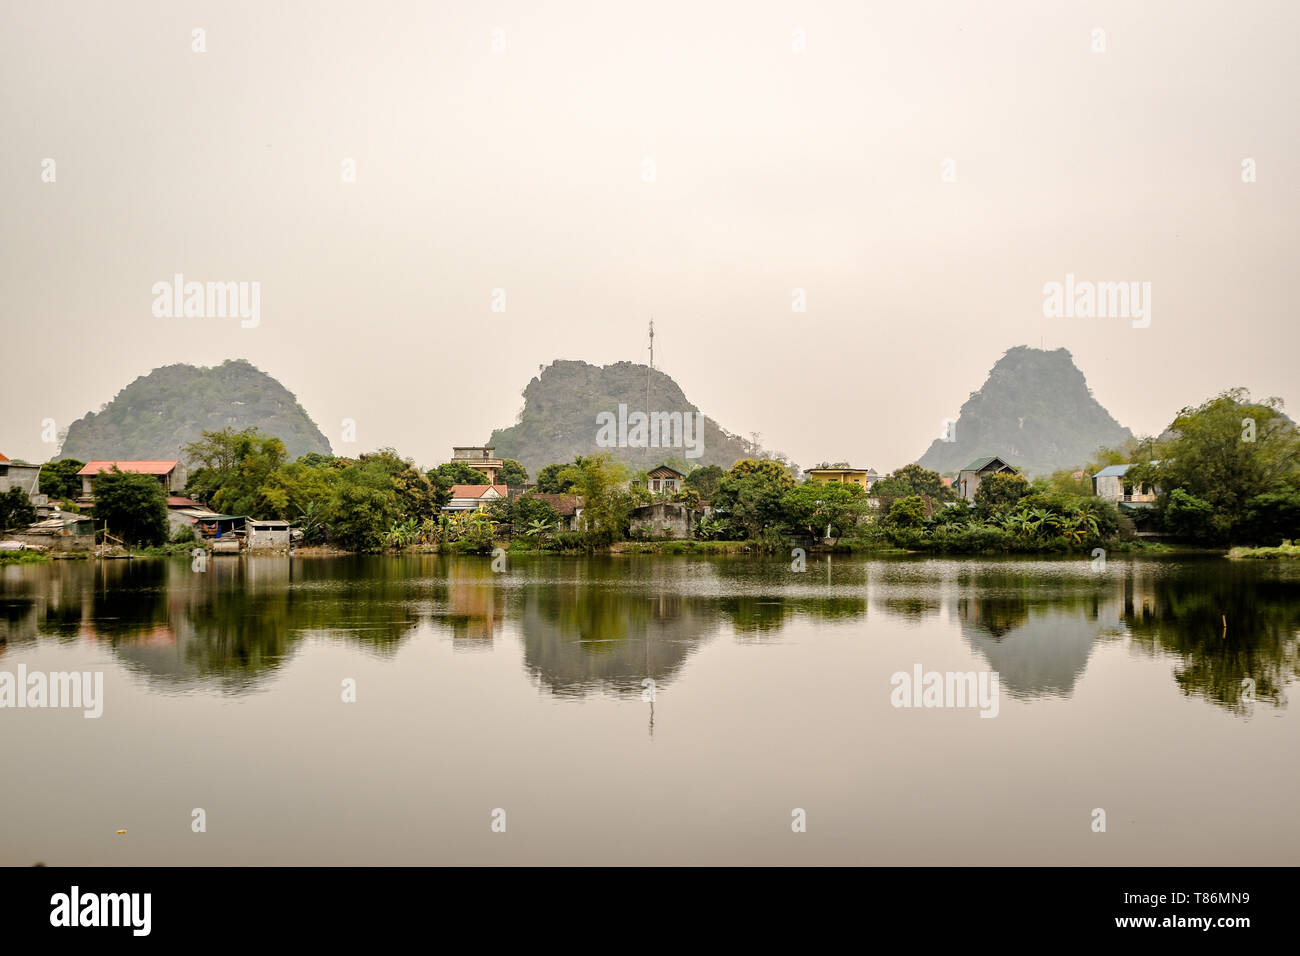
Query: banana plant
x=538 y=529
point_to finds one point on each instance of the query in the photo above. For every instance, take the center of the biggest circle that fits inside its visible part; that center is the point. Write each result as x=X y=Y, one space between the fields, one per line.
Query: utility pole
x=648 y=372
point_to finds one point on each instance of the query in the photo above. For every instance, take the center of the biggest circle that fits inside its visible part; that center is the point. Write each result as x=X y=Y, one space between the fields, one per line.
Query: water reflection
x=602 y=626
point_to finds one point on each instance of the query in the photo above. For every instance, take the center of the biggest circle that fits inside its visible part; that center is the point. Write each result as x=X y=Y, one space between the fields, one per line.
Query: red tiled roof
x=175 y=502
x=136 y=467
x=3 y=458
x=564 y=505
x=476 y=491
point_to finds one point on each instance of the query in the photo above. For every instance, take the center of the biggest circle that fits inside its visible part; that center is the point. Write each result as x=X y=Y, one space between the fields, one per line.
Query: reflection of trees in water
x=579 y=639
x=600 y=624
x=232 y=625
x=1185 y=615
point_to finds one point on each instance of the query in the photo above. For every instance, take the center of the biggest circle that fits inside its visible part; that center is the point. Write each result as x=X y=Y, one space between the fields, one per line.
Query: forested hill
x=1035 y=411
x=158 y=414
x=559 y=419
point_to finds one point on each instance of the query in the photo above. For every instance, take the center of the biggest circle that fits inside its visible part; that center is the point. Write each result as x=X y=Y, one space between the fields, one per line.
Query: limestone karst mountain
x=1034 y=411
x=158 y=414
x=561 y=419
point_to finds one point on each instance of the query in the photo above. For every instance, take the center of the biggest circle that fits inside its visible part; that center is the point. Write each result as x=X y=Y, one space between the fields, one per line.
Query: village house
x=1110 y=484
x=969 y=478
x=170 y=474
x=665 y=481
x=568 y=507
x=482 y=458
x=19 y=474
x=473 y=497
x=843 y=474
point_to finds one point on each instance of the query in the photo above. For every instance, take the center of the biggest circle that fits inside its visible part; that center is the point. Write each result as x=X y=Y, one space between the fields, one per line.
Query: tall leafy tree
x=134 y=507
x=456 y=473
x=512 y=473
x=1000 y=491
x=817 y=506
x=751 y=494
x=1227 y=452
x=559 y=479
x=16 y=510
x=59 y=478
x=232 y=467
x=705 y=480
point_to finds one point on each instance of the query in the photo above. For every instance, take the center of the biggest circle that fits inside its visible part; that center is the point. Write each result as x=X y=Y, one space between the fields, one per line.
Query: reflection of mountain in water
x=604 y=625
x=1041 y=657
x=577 y=640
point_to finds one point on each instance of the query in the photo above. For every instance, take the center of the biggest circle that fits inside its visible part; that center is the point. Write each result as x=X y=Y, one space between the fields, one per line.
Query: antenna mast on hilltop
x=647 y=380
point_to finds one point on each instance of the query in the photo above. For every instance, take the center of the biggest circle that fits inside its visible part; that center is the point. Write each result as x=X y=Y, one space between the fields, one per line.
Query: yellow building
x=843 y=474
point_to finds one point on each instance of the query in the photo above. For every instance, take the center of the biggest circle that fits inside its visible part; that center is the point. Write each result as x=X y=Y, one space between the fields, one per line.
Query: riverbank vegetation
x=1225 y=472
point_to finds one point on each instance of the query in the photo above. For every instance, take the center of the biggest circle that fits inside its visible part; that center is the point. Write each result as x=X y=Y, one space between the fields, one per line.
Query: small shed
x=62 y=531
x=267 y=535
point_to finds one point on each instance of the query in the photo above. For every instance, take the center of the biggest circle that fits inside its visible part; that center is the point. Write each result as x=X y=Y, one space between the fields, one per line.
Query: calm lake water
x=523 y=691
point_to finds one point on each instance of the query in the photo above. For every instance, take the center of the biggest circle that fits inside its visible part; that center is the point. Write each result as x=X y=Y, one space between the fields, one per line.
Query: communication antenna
x=646 y=453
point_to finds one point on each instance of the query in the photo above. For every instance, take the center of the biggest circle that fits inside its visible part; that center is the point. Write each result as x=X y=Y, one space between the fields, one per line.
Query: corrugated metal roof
x=1113 y=471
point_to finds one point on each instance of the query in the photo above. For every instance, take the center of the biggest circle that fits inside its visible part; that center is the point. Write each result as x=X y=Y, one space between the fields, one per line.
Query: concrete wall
x=271 y=538
x=26 y=477
x=664 y=520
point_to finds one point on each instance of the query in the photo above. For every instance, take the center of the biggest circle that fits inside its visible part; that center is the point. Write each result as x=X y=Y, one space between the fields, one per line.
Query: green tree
x=362 y=510
x=705 y=480
x=907 y=512
x=751 y=494
x=525 y=510
x=816 y=505
x=1226 y=452
x=134 y=507
x=512 y=473
x=301 y=489
x=59 y=478
x=1271 y=518
x=1189 y=516
x=231 y=468
x=688 y=496
x=559 y=479
x=999 y=492
x=911 y=480
x=16 y=509
x=607 y=500
x=417 y=497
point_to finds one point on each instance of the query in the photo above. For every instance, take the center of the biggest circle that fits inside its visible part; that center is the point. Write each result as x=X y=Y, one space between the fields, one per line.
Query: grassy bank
x=23 y=557
x=1285 y=550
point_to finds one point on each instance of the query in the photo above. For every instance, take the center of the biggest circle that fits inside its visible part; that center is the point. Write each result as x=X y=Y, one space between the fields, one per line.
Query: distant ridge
x=559 y=419
x=1035 y=411
x=159 y=413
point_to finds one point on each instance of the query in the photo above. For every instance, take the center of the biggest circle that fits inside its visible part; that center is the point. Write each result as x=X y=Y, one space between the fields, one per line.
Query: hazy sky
x=523 y=170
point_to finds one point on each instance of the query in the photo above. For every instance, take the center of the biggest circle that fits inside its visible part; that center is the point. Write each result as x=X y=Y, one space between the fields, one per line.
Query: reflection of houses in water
x=475 y=606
